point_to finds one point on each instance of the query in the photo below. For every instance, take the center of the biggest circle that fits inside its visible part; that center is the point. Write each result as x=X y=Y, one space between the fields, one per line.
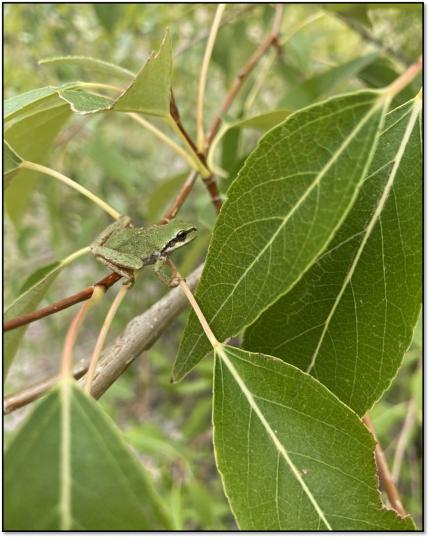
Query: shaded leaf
x=91 y=66
x=31 y=136
x=322 y=84
x=149 y=92
x=108 y=15
x=351 y=318
x=11 y=161
x=291 y=455
x=26 y=101
x=82 y=474
x=283 y=208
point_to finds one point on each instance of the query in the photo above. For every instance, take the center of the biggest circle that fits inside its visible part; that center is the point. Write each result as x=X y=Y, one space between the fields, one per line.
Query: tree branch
x=384 y=473
x=238 y=82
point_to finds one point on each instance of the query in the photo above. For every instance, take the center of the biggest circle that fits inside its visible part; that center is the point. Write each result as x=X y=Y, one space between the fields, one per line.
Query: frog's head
x=178 y=233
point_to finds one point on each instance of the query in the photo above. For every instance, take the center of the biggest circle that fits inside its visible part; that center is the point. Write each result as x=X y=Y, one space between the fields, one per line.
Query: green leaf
x=149 y=92
x=26 y=101
x=282 y=210
x=291 y=455
x=108 y=15
x=92 y=66
x=32 y=137
x=83 y=102
x=351 y=318
x=68 y=468
x=11 y=162
x=322 y=84
x=33 y=291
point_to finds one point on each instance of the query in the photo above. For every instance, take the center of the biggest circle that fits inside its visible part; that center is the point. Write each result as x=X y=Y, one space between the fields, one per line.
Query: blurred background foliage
x=325 y=49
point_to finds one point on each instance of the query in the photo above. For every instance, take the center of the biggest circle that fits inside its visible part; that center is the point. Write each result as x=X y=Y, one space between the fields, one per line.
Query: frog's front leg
x=123 y=264
x=169 y=281
x=119 y=224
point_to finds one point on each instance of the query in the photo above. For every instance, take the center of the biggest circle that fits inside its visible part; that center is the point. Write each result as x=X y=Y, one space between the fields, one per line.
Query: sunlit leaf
x=350 y=319
x=149 y=92
x=282 y=210
x=82 y=474
x=291 y=455
x=83 y=102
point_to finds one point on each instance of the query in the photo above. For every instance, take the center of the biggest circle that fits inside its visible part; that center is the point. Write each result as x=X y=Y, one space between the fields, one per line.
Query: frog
x=126 y=249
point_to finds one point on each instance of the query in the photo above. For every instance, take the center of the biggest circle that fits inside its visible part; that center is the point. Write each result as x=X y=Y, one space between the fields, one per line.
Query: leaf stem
x=203 y=76
x=73 y=184
x=188 y=293
x=102 y=336
x=404 y=79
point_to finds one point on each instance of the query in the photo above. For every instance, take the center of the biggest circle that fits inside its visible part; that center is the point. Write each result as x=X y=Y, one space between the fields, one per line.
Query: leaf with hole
x=350 y=320
x=291 y=455
x=282 y=210
x=79 y=466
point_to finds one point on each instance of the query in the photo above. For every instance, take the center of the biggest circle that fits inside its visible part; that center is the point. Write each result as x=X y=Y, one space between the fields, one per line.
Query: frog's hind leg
x=119 y=224
x=123 y=264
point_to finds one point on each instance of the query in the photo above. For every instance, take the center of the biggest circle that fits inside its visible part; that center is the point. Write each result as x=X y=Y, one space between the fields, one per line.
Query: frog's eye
x=181 y=236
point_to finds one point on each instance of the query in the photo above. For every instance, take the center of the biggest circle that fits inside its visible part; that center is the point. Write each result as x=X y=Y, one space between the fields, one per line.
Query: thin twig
x=244 y=72
x=384 y=473
x=102 y=335
x=67 y=302
x=403 y=438
x=30 y=394
x=367 y=36
x=200 y=135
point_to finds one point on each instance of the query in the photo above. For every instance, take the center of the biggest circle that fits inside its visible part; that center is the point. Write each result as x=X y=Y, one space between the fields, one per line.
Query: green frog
x=126 y=249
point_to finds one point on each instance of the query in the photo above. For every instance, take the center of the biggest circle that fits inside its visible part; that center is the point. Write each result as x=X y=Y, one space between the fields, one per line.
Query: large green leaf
x=282 y=210
x=149 y=92
x=351 y=318
x=68 y=468
x=291 y=455
x=320 y=85
x=32 y=136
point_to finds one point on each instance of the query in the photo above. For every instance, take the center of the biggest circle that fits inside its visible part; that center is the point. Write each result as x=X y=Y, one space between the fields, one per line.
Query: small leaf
x=281 y=211
x=149 y=92
x=11 y=161
x=350 y=320
x=291 y=455
x=108 y=15
x=83 y=102
x=322 y=84
x=92 y=66
x=68 y=468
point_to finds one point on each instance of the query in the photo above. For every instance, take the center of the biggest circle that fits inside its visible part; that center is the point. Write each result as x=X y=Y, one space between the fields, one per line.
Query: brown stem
x=384 y=473
x=30 y=394
x=139 y=335
x=238 y=82
x=83 y=295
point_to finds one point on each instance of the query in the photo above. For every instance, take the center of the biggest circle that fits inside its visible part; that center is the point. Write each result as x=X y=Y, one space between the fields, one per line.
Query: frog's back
x=135 y=241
